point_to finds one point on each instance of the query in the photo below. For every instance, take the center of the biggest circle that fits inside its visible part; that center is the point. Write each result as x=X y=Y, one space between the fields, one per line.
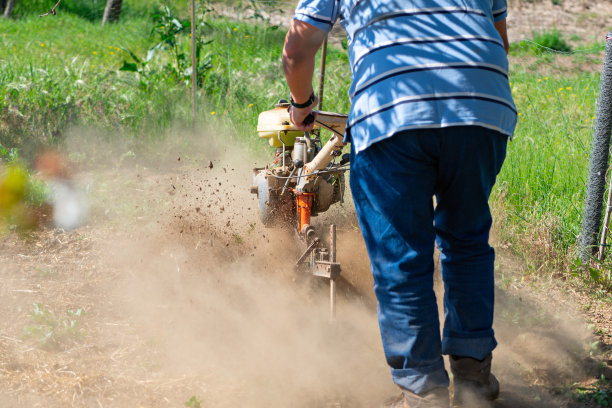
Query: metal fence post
x=593 y=206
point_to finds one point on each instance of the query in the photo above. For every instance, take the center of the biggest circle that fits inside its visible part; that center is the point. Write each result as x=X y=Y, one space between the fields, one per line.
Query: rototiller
x=304 y=179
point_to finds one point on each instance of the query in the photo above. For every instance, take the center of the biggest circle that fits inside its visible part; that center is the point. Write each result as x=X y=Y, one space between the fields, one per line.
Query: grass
x=62 y=73
x=541 y=188
x=543 y=179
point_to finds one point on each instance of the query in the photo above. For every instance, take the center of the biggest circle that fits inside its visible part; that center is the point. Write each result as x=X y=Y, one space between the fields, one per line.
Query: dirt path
x=174 y=291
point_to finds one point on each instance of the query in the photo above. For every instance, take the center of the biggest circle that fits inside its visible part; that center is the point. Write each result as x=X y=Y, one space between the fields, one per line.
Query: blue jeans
x=393 y=183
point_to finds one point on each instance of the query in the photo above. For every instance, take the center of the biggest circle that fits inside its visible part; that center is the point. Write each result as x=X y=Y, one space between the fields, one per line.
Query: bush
x=550 y=39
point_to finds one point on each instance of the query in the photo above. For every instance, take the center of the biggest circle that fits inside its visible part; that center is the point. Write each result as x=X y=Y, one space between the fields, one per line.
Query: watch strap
x=302 y=105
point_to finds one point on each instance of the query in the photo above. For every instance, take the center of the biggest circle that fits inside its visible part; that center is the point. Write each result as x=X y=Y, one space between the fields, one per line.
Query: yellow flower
x=539 y=80
x=250 y=105
x=42 y=44
x=246 y=36
x=112 y=53
x=560 y=89
x=546 y=79
x=569 y=88
x=519 y=113
x=235 y=28
x=213 y=113
x=95 y=53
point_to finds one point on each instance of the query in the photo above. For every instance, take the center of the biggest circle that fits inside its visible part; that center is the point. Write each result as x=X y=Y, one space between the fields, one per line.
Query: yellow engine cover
x=271 y=122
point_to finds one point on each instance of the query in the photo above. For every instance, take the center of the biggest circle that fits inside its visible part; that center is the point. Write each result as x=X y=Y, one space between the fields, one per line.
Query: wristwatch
x=302 y=105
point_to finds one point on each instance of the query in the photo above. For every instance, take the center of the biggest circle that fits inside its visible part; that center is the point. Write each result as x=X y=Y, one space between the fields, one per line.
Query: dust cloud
x=218 y=294
x=214 y=295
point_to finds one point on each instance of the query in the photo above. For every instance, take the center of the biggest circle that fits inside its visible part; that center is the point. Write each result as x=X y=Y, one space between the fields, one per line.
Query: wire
x=323 y=125
x=552 y=50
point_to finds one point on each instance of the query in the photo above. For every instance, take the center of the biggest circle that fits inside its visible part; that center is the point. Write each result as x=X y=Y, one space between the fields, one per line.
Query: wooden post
x=332 y=282
x=112 y=11
x=8 y=10
x=606 y=225
x=322 y=75
x=194 y=72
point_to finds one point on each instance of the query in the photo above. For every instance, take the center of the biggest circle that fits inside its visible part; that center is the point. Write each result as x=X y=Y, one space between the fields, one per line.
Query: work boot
x=436 y=398
x=473 y=381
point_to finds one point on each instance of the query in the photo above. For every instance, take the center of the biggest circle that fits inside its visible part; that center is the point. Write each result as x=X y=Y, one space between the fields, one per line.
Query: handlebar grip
x=309 y=119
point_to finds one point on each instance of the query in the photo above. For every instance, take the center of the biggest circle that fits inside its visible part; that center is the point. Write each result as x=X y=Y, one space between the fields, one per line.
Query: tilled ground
x=175 y=291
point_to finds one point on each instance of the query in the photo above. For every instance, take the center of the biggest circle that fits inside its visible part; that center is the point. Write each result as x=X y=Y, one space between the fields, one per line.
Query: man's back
x=420 y=64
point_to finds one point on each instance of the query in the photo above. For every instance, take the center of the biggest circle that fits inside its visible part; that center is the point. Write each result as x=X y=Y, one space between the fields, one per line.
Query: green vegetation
x=64 y=72
x=543 y=42
x=599 y=393
x=128 y=82
x=542 y=182
x=91 y=10
x=541 y=189
x=51 y=331
x=194 y=402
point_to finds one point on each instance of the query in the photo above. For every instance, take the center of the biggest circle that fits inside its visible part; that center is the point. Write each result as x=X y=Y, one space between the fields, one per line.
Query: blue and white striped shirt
x=420 y=64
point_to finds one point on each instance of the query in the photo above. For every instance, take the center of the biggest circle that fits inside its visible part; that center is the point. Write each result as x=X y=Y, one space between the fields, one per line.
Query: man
x=431 y=115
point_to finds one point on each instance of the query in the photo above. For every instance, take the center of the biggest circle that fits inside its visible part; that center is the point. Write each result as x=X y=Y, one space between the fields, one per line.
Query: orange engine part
x=304 y=205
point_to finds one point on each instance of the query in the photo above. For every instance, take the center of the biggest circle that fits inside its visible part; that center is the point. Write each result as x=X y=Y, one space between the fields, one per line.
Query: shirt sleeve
x=320 y=13
x=500 y=10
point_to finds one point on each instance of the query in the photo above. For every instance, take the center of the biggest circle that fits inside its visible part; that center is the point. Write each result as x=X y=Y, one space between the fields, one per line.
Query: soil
x=174 y=295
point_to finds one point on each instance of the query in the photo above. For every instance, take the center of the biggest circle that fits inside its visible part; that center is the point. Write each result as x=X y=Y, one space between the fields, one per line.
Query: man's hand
x=301 y=45
x=299 y=115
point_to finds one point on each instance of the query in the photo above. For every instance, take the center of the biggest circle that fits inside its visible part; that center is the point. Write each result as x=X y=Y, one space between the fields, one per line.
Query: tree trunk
x=112 y=11
x=7 y=6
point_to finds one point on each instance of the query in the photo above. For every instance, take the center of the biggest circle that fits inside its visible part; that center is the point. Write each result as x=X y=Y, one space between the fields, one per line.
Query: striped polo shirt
x=420 y=64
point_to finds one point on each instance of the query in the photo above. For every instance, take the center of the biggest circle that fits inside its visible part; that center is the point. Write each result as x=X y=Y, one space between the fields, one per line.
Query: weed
x=598 y=393
x=9 y=155
x=52 y=332
x=194 y=402
x=168 y=32
x=237 y=238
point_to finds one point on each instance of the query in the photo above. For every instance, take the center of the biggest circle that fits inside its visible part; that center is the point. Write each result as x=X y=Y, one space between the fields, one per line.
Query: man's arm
x=301 y=45
x=501 y=28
